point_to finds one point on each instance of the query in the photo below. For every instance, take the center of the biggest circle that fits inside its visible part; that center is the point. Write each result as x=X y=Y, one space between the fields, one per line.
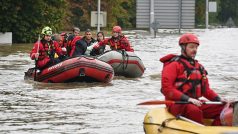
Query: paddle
x=186 y=119
x=36 y=59
x=159 y=102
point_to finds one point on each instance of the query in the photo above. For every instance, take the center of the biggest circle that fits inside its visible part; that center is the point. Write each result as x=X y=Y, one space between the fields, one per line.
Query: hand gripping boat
x=160 y=121
x=76 y=69
x=124 y=63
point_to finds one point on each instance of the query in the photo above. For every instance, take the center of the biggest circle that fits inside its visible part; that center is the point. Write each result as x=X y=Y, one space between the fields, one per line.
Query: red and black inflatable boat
x=78 y=69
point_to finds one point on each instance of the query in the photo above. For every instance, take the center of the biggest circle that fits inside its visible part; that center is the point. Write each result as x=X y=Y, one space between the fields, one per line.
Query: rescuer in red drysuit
x=185 y=79
x=116 y=42
x=46 y=52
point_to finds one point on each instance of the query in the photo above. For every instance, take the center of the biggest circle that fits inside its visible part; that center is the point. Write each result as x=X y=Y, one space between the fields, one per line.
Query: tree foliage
x=119 y=12
x=225 y=10
x=200 y=12
x=229 y=9
x=26 y=18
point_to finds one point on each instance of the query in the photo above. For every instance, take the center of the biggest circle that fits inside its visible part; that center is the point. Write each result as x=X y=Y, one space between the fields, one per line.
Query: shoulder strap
x=189 y=71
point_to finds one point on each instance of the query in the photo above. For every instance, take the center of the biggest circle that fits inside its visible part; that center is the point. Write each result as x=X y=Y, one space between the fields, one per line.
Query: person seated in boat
x=71 y=41
x=61 y=39
x=117 y=41
x=82 y=44
x=100 y=37
x=185 y=79
x=47 y=52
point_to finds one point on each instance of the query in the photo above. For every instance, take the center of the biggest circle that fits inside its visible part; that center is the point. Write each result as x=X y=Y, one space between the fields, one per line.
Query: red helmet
x=116 y=29
x=188 y=38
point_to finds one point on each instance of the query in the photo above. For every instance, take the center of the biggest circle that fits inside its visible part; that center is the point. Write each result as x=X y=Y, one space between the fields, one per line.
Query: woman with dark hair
x=100 y=36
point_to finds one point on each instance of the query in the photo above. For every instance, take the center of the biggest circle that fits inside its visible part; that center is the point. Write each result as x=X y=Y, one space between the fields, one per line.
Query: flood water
x=28 y=107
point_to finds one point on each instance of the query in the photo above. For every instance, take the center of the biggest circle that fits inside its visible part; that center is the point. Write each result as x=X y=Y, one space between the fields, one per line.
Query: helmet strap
x=184 y=52
x=183 y=49
x=42 y=36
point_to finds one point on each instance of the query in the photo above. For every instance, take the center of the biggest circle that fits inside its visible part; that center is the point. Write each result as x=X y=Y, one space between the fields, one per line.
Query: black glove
x=62 y=57
x=93 y=52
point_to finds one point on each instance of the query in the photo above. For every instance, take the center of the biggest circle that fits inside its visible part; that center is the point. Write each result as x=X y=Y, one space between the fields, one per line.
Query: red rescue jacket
x=71 y=44
x=122 y=43
x=47 y=50
x=181 y=79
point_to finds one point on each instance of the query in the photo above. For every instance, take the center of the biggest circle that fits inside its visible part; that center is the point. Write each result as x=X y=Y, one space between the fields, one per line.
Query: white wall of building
x=6 y=38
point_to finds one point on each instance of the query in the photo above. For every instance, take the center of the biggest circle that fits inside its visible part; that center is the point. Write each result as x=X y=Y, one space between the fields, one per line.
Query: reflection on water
x=31 y=107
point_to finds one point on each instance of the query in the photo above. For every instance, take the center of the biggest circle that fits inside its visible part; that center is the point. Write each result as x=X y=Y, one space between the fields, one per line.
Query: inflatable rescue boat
x=78 y=69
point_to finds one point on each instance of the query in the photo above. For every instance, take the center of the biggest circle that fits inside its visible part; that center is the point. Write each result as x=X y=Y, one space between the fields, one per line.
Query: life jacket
x=48 y=50
x=63 y=43
x=122 y=43
x=72 y=39
x=193 y=80
x=81 y=46
x=64 y=37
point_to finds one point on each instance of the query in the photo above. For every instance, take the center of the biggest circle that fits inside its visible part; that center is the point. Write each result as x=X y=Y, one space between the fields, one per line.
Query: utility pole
x=180 y=15
x=152 y=14
x=207 y=14
x=99 y=13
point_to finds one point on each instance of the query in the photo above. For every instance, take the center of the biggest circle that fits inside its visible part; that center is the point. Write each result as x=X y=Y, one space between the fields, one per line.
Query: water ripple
x=30 y=107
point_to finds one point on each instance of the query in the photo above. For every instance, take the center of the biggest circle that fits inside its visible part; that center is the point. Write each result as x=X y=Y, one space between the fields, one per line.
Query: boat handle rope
x=125 y=56
x=163 y=125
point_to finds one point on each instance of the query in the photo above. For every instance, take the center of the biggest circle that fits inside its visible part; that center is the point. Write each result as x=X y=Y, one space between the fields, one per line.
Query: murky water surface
x=28 y=107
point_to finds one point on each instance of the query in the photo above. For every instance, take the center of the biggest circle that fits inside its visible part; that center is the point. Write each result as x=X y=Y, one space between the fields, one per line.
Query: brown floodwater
x=98 y=108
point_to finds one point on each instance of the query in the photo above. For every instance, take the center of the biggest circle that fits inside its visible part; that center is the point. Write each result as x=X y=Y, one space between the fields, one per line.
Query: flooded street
x=28 y=107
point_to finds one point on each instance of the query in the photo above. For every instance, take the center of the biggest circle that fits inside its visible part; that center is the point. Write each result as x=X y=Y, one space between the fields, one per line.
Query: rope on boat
x=164 y=125
x=125 y=57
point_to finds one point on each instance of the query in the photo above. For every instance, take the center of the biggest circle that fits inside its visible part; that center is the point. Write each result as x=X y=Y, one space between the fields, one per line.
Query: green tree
x=119 y=12
x=80 y=13
x=225 y=10
x=26 y=18
x=130 y=18
x=229 y=9
x=213 y=16
x=200 y=13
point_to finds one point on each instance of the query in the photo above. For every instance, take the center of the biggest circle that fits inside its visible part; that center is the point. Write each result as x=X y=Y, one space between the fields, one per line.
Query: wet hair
x=101 y=33
x=88 y=30
x=56 y=37
x=76 y=29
